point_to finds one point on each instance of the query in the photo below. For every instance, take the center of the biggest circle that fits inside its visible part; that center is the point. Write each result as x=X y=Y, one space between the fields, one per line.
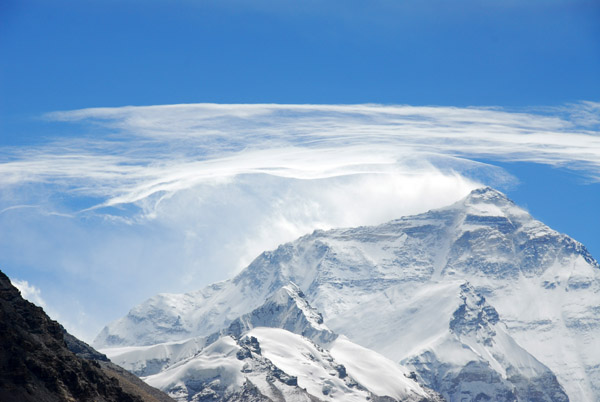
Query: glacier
x=408 y=290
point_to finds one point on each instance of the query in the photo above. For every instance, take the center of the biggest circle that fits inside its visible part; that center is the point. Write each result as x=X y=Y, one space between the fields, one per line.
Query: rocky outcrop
x=286 y=309
x=36 y=363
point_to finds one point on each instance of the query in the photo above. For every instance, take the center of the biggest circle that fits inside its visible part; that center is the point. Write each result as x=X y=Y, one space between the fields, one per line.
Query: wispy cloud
x=29 y=292
x=183 y=195
x=156 y=149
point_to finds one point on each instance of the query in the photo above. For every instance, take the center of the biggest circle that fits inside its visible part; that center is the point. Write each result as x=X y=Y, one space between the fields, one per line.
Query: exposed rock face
x=36 y=364
x=474 y=315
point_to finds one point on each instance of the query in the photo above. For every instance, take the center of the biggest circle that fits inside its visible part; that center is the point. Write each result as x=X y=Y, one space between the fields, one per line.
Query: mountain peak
x=487 y=195
x=288 y=309
x=289 y=291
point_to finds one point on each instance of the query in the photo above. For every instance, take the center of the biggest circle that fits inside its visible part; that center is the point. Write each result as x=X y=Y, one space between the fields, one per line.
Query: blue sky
x=167 y=186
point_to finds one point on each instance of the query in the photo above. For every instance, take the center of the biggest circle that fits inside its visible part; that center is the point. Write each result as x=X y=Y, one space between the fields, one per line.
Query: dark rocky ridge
x=41 y=362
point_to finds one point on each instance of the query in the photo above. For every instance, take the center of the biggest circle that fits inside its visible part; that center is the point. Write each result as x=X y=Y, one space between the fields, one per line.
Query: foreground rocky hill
x=40 y=362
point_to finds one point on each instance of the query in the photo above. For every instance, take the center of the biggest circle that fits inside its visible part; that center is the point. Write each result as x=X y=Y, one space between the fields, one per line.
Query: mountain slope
x=276 y=363
x=287 y=309
x=476 y=359
x=373 y=283
x=37 y=365
x=472 y=358
x=267 y=353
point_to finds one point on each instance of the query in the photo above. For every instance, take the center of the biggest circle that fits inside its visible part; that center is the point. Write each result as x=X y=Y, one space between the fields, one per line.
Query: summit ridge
x=394 y=288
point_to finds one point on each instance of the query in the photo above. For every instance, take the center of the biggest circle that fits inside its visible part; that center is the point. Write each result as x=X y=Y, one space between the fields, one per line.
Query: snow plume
x=184 y=195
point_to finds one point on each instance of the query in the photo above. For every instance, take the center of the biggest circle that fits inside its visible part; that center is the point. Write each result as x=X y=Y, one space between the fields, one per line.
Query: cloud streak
x=148 y=150
x=171 y=198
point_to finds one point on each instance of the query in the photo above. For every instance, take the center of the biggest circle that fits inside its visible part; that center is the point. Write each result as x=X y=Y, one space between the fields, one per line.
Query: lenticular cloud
x=139 y=152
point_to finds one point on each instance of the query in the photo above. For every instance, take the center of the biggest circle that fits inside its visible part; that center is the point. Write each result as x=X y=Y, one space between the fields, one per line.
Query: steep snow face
x=286 y=309
x=476 y=359
x=144 y=361
x=373 y=283
x=276 y=362
x=314 y=368
x=379 y=375
x=216 y=365
x=272 y=364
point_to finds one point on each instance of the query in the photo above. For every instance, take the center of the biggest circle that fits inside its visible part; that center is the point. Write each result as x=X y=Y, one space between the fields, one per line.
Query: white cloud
x=163 y=149
x=29 y=292
x=171 y=198
x=172 y=143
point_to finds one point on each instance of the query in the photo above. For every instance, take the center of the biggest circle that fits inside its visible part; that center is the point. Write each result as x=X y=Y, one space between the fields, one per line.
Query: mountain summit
x=395 y=288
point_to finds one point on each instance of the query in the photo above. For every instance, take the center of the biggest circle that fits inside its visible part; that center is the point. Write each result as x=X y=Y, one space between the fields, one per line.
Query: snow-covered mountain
x=400 y=288
x=476 y=359
x=267 y=355
x=272 y=364
x=286 y=309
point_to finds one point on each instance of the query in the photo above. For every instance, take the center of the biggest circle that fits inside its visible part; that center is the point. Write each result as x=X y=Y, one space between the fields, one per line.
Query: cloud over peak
x=184 y=195
x=141 y=151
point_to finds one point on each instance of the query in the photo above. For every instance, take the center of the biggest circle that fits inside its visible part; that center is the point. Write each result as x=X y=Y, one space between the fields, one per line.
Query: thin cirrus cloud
x=156 y=149
x=184 y=195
